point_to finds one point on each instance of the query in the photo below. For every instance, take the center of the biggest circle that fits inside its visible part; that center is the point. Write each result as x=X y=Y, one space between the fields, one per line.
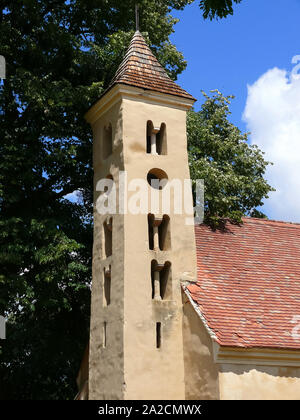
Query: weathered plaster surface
x=149 y=372
x=201 y=373
x=106 y=365
x=248 y=382
x=131 y=367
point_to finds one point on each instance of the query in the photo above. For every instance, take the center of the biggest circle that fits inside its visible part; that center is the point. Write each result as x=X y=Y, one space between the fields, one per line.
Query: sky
x=250 y=55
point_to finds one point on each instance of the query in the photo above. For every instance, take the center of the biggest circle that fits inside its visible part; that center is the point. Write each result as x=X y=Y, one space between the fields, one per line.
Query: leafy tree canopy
x=232 y=169
x=217 y=8
x=60 y=57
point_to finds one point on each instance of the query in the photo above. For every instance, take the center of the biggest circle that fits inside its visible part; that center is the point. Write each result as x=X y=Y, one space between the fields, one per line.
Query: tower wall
x=141 y=355
x=152 y=373
x=106 y=364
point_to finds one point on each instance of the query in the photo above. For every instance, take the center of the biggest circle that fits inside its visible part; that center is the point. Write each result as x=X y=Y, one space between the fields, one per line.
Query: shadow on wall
x=201 y=373
x=273 y=371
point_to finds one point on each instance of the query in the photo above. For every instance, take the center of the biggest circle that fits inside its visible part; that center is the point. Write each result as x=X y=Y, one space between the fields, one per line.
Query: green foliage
x=217 y=8
x=232 y=169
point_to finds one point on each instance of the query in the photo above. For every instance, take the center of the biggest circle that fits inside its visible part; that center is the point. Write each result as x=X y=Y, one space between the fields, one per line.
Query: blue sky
x=253 y=47
x=229 y=54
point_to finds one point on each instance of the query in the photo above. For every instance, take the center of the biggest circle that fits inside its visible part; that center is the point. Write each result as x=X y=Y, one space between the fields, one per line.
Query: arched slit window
x=161 y=280
x=156 y=139
x=159 y=232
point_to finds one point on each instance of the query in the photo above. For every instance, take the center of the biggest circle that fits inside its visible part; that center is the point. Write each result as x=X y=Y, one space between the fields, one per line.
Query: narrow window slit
x=104 y=334
x=107 y=229
x=161 y=140
x=107 y=142
x=158 y=335
x=107 y=285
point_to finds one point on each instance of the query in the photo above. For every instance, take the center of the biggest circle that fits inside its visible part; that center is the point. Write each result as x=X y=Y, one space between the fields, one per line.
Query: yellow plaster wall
x=201 y=373
x=152 y=373
x=131 y=367
x=106 y=365
x=250 y=382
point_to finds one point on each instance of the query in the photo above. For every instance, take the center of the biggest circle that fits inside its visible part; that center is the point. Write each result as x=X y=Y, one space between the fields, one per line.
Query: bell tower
x=139 y=258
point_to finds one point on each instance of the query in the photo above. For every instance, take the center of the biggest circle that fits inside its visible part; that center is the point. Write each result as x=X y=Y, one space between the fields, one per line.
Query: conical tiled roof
x=140 y=68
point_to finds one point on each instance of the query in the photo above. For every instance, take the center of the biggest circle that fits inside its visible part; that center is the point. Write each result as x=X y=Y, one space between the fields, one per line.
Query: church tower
x=139 y=258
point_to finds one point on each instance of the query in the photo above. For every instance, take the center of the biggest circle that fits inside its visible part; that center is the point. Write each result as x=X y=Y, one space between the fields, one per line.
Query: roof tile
x=140 y=68
x=248 y=287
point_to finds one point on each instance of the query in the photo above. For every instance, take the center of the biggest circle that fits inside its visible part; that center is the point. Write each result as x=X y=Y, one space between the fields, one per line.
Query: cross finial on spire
x=137 y=17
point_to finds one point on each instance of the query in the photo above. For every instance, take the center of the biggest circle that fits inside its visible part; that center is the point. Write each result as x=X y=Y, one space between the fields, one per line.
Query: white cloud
x=272 y=114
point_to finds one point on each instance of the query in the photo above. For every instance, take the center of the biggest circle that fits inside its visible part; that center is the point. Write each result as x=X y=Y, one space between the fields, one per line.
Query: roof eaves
x=211 y=333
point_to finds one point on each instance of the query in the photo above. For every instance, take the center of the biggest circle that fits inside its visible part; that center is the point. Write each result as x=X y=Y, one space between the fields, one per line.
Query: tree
x=217 y=8
x=232 y=169
x=60 y=57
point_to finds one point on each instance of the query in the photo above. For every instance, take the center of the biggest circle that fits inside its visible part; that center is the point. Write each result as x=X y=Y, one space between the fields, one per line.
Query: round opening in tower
x=108 y=188
x=157 y=178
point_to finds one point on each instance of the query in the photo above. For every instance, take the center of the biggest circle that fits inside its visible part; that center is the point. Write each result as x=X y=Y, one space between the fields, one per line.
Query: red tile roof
x=248 y=288
x=140 y=68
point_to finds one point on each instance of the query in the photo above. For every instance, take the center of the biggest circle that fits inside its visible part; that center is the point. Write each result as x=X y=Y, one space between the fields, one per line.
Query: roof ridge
x=271 y=221
x=258 y=220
